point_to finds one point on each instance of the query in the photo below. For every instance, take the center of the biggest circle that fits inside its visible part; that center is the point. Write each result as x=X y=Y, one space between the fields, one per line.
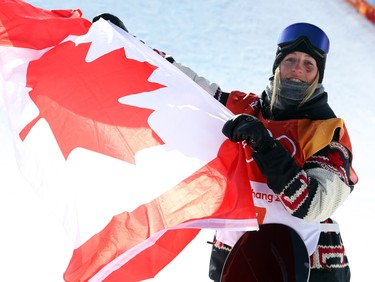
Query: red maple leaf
x=335 y=157
x=79 y=100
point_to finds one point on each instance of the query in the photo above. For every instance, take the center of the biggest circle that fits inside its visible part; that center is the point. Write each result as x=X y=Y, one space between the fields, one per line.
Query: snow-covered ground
x=231 y=42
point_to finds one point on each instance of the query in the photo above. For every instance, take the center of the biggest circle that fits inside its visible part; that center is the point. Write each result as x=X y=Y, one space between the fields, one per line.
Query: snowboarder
x=299 y=151
x=299 y=158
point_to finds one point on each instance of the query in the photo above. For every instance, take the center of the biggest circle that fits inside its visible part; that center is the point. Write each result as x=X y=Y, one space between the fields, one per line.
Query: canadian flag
x=124 y=148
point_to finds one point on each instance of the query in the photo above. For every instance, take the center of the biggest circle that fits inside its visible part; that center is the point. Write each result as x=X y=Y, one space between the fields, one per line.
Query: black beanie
x=301 y=37
x=302 y=47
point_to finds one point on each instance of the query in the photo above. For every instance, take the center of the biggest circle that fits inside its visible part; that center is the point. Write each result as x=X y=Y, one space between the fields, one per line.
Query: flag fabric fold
x=124 y=148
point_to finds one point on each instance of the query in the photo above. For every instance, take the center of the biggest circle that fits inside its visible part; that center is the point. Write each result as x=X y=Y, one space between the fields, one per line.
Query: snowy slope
x=231 y=42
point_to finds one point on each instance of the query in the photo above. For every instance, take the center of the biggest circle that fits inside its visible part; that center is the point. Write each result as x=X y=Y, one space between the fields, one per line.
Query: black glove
x=112 y=18
x=250 y=129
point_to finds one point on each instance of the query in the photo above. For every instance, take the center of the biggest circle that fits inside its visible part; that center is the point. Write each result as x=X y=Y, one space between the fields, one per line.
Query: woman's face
x=298 y=66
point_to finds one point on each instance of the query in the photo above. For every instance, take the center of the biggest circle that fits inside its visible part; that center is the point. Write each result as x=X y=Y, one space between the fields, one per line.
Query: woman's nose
x=297 y=66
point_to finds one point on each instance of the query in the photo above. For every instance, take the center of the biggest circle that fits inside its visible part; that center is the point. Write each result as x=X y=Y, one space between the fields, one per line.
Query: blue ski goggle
x=311 y=34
